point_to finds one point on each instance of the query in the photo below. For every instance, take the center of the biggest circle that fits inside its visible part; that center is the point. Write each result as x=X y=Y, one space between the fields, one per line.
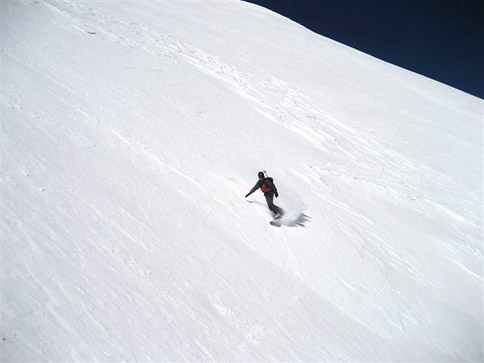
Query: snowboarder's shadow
x=300 y=221
x=297 y=221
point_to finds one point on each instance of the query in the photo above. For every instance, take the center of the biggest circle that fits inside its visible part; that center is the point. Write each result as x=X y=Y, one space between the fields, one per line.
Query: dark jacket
x=266 y=185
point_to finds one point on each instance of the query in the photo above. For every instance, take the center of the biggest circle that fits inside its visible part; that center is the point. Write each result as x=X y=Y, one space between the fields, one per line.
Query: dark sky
x=441 y=39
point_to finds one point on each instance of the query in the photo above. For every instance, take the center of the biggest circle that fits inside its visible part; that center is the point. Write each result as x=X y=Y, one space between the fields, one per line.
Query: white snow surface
x=131 y=132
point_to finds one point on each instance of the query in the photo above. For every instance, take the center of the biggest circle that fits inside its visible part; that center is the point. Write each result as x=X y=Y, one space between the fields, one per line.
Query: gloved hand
x=247 y=195
x=277 y=194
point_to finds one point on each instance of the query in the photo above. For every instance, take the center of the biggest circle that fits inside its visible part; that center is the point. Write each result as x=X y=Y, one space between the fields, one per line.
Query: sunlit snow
x=131 y=132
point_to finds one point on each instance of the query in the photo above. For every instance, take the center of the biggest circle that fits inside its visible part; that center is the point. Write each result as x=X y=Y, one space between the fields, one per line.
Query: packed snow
x=131 y=132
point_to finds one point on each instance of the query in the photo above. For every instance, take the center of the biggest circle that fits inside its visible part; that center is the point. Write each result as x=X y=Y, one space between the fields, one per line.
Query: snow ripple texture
x=131 y=132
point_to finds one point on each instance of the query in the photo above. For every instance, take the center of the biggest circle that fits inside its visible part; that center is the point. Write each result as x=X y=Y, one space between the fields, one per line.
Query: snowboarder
x=269 y=189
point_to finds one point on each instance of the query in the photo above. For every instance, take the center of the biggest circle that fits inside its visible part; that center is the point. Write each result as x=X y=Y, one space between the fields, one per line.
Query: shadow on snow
x=298 y=221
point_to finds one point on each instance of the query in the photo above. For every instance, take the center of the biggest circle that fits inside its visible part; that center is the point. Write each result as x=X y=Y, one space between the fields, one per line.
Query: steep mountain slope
x=131 y=133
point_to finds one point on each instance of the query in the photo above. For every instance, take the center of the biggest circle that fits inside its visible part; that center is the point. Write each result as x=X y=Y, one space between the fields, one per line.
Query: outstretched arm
x=256 y=186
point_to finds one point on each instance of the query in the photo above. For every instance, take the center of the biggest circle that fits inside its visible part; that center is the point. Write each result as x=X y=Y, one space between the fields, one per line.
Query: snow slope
x=131 y=132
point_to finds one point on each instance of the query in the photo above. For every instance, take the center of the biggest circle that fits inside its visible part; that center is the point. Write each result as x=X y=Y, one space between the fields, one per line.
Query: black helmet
x=261 y=174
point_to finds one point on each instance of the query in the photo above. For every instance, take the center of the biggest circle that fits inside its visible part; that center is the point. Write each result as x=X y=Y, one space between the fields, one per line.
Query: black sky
x=440 y=39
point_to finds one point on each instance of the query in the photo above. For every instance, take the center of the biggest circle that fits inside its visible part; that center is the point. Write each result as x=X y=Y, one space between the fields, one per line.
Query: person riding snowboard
x=269 y=189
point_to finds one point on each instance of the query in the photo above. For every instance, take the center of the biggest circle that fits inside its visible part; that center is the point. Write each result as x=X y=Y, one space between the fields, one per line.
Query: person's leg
x=278 y=210
x=270 y=203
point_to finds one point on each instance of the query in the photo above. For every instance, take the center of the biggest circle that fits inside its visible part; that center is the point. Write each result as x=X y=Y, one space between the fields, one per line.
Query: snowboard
x=277 y=220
